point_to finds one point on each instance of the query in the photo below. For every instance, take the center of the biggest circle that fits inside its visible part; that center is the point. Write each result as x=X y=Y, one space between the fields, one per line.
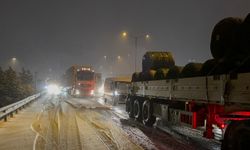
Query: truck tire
x=161 y=73
x=209 y=67
x=129 y=107
x=191 y=70
x=174 y=72
x=137 y=109
x=237 y=136
x=147 y=113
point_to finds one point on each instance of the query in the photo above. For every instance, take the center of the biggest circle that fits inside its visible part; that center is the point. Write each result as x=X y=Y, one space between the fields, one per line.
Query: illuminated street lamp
x=136 y=38
x=124 y=34
x=13 y=59
x=119 y=57
x=13 y=62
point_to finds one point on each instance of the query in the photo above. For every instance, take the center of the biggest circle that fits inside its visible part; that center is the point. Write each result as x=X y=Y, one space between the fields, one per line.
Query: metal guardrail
x=13 y=108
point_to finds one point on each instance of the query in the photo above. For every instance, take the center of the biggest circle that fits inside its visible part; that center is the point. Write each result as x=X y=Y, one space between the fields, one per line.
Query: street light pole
x=35 y=78
x=136 y=42
x=124 y=34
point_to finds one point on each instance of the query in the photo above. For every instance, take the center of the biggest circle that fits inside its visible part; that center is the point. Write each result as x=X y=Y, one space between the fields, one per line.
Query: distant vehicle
x=80 y=80
x=213 y=97
x=116 y=89
x=52 y=87
x=98 y=84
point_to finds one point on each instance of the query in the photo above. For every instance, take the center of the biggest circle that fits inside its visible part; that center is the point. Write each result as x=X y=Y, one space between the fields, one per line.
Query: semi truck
x=116 y=89
x=214 y=96
x=80 y=80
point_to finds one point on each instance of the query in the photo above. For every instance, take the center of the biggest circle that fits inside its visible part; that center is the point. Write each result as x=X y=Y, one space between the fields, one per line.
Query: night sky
x=49 y=36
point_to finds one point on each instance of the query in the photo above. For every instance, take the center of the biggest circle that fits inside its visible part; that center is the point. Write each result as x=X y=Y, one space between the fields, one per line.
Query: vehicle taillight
x=222 y=126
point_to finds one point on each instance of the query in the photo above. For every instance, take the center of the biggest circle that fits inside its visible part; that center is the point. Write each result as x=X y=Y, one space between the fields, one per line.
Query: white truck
x=116 y=89
x=217 y=98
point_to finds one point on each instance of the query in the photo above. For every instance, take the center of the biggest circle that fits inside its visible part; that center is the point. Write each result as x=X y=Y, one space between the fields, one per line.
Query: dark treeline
x=15 y=86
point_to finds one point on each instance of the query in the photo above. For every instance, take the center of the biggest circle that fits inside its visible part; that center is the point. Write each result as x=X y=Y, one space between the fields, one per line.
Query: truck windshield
x=85 y=75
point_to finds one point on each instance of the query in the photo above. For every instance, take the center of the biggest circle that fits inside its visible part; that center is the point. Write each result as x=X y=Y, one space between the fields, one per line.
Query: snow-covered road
x=56 y=123
x=63 y=124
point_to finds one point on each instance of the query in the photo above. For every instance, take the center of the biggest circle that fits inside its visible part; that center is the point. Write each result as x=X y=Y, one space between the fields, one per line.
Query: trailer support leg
x=194 y=120
x=210 y=119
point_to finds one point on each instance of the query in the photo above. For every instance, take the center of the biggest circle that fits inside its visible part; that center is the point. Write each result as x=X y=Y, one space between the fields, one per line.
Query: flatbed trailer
x=213 y=96
x=209 y=102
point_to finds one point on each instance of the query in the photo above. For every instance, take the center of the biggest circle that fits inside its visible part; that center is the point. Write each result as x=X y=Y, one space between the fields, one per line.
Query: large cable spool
x=191 y=70
x=157 y=60
x=174 y=72
x=243 y=42
x=135 y=77
x=222 y=39
x=246 y=27
x=141 y=76
x=149 y=75
x=238 y=59
x=244 y=67
x=209 y=67
x=161 y=73
x=226 y=67
x=214 y=67
x=245 y=46
x=246 y=34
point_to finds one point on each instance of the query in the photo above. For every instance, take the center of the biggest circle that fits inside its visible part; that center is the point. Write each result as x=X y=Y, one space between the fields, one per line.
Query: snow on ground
x=161 y=137
x=192 y=136
x=65 y=123
x=16 y=133
x=102 y=119
x=146 y=137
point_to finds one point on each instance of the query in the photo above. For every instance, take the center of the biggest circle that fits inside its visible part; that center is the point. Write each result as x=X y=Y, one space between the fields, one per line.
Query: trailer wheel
x=147 y=113
x=237 y=136
x=129 y=107
x=137 y=109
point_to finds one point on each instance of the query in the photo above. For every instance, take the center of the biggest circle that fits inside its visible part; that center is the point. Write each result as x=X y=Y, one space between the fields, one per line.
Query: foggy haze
x=49 y=36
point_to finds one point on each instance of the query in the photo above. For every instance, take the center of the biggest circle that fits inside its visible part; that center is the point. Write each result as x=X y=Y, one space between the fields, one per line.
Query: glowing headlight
x=53 y=89
x=92 y=92
x=116 y=93
x=101 y=90
x=77 y=92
